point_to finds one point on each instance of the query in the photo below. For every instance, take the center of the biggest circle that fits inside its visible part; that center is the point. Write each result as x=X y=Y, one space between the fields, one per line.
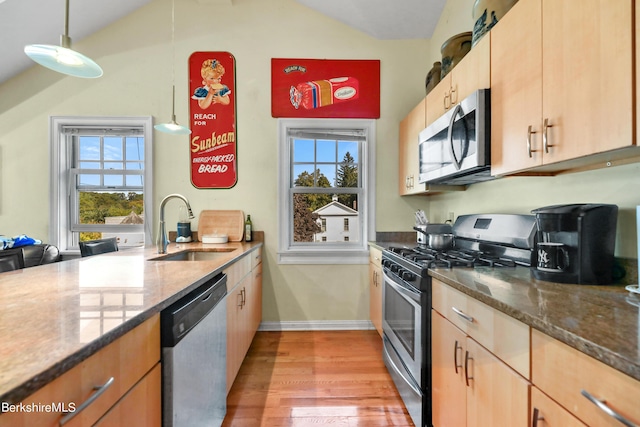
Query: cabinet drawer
x=503 y=335
x=237 y=271
x=375 y=256
x=256 y=257
x=127 y=360
x=563 y=372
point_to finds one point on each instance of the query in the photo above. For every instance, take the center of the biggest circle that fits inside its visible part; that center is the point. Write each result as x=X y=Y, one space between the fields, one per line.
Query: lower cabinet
x=547 y=413
x=375 y=288
x=474 y=376
x=140 y=407
x=471 y=386
x=115 y=383
x=244 y=309
x=592 y=392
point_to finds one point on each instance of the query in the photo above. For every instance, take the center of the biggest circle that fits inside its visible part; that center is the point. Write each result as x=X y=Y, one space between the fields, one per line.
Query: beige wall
x=618 y=185
x=136 y=56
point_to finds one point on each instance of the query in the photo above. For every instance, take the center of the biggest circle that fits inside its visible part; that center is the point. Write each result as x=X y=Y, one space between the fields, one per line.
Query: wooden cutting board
x=228 y=222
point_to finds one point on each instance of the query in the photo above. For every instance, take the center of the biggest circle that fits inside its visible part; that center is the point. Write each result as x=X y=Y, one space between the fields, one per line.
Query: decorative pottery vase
x=486 y=14
x=433 y=76
x=453 y=50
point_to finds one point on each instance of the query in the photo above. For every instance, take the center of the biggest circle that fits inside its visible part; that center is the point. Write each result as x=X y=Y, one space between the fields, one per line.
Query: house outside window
x=325 y=176
x=101 y=180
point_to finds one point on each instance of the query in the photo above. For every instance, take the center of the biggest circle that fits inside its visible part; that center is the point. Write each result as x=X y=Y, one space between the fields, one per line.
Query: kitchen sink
x=194 y=255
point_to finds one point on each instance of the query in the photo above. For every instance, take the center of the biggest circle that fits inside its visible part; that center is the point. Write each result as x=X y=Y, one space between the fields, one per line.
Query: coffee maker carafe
x=575 y=243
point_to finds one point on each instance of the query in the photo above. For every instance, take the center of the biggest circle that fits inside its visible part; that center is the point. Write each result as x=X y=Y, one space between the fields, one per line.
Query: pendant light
x=62 y=58
x=173 y=127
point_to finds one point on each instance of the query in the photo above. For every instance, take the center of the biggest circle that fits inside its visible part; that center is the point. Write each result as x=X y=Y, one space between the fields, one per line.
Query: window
x=326 y=190
x=101 y=180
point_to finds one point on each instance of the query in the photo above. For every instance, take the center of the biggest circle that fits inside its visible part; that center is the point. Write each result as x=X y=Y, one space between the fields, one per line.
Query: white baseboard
x=317 y=325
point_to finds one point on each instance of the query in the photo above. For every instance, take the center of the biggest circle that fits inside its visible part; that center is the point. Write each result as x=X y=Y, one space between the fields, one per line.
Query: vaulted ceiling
x=25 y=22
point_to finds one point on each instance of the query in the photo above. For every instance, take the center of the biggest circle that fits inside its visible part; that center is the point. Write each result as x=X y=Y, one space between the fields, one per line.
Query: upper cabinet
x=470 y=74
x=561 y=85
x=409 y=169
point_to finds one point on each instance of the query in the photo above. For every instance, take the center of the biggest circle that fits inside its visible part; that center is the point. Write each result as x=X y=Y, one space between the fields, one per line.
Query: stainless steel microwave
x=456 y=148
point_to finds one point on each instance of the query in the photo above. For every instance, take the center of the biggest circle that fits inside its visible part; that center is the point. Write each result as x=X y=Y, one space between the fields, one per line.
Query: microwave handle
x=456 y=162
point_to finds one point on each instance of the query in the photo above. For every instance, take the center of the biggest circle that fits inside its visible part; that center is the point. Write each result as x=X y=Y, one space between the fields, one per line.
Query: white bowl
x=215 y=238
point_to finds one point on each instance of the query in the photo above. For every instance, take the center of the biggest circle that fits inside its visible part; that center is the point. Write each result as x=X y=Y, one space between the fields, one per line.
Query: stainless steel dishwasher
x=194 y=357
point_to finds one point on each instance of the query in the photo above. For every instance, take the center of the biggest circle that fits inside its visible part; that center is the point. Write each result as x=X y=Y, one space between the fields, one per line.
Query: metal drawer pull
x=466 y=367
x=455 y=355
x=605 y=408
x=462 y=314
x=98 y=391
x=530 y=132
x=536 y=417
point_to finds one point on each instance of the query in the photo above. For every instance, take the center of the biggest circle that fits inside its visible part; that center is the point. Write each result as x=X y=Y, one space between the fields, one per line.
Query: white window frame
x=315 y=253
x=62 y=174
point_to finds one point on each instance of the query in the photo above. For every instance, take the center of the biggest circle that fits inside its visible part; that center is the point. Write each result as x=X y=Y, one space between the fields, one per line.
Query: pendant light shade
x=173 y=127
x=62 y=58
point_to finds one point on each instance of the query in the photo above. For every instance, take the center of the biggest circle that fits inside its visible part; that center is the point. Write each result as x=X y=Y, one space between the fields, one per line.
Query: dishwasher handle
x=180 y=317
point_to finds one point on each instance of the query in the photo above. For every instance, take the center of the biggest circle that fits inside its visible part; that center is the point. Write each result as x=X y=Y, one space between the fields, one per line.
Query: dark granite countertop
x=601 y=321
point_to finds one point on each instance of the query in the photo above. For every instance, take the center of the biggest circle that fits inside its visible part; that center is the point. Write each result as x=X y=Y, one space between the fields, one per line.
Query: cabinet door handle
x=241 y=295
x=447 y=97
x=454 y=91
x=455 y=356
x=466 y=367
x=545 y=137
x=530 y=132
x=98 y=391
x=244 y=296
x=536 y=417
x=602 y=405
x=462 y=314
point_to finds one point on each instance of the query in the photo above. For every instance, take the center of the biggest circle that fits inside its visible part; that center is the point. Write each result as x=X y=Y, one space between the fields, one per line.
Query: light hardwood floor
x=334 y=378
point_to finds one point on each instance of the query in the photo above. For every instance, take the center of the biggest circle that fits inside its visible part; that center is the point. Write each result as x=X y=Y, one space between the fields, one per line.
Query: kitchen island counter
x=55 y=316
x=600 y=321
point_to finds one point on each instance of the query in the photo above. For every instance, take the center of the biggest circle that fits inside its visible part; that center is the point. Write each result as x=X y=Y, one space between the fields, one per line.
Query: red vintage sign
x=325 y=88
x=212 y=111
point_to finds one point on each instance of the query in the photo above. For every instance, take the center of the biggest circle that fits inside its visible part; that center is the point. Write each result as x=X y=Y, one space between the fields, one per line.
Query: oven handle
x=415 y=389
x=414 y=295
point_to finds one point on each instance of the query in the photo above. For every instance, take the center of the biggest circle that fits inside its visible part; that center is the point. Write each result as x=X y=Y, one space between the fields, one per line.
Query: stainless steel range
x=489 y=241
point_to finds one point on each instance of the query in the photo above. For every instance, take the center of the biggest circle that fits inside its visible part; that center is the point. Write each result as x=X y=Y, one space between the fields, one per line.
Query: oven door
x=402 y=324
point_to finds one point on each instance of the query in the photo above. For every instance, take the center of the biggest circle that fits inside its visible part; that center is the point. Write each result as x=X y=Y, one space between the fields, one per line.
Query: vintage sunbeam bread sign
x=212 y=110
x=325 y=88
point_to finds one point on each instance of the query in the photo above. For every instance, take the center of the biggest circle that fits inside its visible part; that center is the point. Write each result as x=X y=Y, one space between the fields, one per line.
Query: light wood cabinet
x=547 y=413
x=410 y=128
x=375 y=288
x=244 y=309
x=472 y=384
x=473 y=72
x=141 y=407
x=566 y=374
x=560 y=85
x=109 y=376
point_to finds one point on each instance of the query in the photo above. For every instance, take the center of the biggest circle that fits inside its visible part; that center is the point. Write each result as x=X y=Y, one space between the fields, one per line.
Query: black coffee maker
x=575 y=243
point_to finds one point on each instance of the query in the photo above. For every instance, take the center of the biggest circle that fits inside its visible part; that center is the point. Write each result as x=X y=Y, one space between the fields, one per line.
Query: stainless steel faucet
x=163 y=241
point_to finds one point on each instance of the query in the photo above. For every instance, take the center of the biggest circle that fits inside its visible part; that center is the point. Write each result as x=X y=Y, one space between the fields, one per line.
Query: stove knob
x=395 y=268
x=408 y=276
